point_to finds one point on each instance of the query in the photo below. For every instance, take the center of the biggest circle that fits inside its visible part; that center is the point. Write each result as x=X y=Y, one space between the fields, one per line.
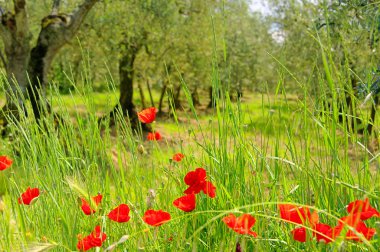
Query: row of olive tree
x=156 y=44
x=178 y=39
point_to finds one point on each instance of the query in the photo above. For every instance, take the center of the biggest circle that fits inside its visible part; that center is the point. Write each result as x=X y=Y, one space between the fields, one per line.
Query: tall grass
x=272 y=148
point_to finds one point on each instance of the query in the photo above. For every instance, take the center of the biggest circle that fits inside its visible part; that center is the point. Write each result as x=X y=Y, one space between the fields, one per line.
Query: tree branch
x=19 y=6
x=14 y=29
x=2 y=11
x=21 y=19
x=78 y=16
x=55 y=8
x=57 y=30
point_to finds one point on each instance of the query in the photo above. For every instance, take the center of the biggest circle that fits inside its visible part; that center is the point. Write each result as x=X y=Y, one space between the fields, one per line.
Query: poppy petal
x=185 y=203
x=295 y=214
x=154 y=136
x=156 y=218
x=230 y=220
x=242 y=224
x=86 y=208
x=95 y=239
x=29 y=196
x=195 y=177
x=147 y=115
x=363 y=208
x=355 y=222
x=178 y=157
x=5 y=162
x=120 y=214
x=209 y=189
x=299 y=234
x=324 y=233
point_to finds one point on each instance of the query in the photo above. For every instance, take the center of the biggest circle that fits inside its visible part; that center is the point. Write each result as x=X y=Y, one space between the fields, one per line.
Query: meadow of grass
x=264 y=150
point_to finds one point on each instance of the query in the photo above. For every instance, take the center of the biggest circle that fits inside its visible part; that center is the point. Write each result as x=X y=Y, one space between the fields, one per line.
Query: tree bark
x=195 y=97
x=212 y=103
x=14 y=31
x=55 y=8
x=177 y=96
x=166 y=82
x=127 y=74
x=142 y=96
x=373 y=114
x=150 y=93
x=160 y=103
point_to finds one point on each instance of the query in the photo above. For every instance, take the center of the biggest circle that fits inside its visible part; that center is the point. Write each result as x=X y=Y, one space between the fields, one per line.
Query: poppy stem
x=155 y=233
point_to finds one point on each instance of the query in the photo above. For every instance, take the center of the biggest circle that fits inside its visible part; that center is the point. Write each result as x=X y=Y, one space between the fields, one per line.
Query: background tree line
x=148 y=46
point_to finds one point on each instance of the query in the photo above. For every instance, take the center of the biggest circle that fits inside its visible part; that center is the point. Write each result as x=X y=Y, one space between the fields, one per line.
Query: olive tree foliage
x=353 y=28
x=347 y=33
x=298 y=52
x=248 y=46
x=165 y=38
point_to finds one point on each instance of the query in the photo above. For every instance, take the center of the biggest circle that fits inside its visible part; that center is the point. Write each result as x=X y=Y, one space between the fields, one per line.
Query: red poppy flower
x=147 y=115
x=324 y=233
x=242 y=224
x=154 y=136
x=354 y=222
x=185 y=203
x=196 y=180
x=156 y=218
x=209 y=189
x=299 y=234
x=95 y=239
x=120 y=214
x=363 y=208
x=5 y=162
x=86 y=208
x=85 y=243
x=297 y=214
x=178 y=157
x=29 y=196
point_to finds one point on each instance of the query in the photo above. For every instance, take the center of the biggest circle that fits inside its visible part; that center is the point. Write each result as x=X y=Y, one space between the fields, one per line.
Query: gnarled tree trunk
x=56 y=30
x=14 y=31
x=27 y=69
x=126 y=73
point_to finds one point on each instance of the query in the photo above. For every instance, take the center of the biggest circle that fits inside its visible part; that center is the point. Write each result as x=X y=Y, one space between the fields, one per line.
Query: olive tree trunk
x=27 y=69
x=14 y=32
x=375 y=103
x=56 y=30
x=126 y=106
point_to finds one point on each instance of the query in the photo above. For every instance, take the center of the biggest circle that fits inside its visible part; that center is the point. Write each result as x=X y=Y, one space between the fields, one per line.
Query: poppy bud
x=141 y=149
